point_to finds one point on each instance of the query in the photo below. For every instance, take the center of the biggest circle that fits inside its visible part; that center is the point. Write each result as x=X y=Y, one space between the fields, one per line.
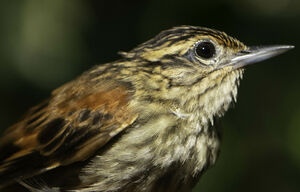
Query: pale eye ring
x=205 y=50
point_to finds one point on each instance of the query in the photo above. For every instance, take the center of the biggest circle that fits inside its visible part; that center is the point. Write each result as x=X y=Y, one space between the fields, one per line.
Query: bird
x=142 y=123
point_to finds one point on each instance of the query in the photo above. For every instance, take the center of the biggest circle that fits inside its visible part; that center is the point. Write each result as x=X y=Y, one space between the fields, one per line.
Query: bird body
x=142 y=123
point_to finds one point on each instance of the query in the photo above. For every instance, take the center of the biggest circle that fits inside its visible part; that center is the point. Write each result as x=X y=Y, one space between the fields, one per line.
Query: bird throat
x=212 y=96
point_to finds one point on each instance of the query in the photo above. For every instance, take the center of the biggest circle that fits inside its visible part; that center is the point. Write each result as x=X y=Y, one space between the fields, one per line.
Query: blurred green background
x=45 y=43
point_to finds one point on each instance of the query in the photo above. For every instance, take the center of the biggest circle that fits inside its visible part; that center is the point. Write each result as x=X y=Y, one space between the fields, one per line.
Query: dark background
x=44 y=44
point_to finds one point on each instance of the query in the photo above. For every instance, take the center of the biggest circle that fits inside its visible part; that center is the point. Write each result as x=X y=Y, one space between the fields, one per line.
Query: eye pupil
x=205 y=50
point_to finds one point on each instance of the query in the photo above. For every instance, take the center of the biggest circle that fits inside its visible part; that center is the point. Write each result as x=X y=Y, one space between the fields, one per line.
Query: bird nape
x=141 y=123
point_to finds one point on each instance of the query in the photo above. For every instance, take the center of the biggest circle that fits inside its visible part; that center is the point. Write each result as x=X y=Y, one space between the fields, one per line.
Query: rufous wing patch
x=69 y=127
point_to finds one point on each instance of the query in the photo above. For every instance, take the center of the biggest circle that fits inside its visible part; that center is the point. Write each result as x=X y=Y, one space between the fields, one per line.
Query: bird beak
x=257 y=54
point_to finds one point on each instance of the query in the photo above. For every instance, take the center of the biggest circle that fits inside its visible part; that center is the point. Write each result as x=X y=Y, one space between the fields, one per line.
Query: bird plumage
x=142 y=123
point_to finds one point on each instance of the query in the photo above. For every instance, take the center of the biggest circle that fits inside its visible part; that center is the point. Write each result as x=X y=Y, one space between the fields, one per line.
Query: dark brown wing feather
x=77 y=120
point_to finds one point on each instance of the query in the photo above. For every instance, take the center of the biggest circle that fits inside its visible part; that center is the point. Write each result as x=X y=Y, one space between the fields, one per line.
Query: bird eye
x=205 y=50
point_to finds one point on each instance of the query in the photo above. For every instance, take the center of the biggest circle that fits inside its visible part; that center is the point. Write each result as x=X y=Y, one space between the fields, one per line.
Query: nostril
x=245 y=52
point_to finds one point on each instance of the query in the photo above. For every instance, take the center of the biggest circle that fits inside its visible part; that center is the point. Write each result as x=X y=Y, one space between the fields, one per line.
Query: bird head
x=199 y=67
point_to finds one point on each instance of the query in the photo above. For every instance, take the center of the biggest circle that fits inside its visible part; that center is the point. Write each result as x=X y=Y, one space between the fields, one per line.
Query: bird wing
x=78 y=119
